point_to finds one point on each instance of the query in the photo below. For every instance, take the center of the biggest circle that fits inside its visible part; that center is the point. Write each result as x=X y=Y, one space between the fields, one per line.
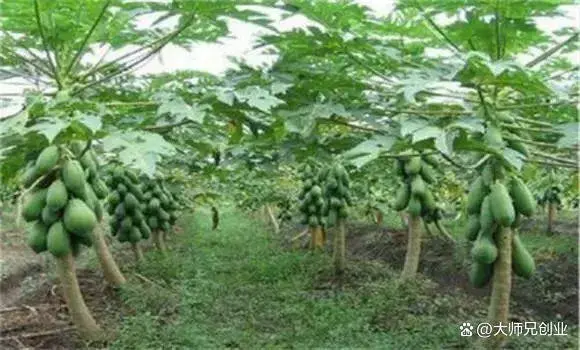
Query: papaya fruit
x=484 y=249
x=94 y=157
x=136 y=190
x=49 y=216
x=145 y=230
x=131 y=202
x=493 y=137
x=312 y=221
x=316 y=191
x=98 y=211
x=311 y=209
x=154 y=205
x=400 y=167
x=164 y=216
x=335 y=203
x=131 y=176
x=477 y=192
x=413 y=166
x=418 y=187
x=47 y=159
x=473 y=227
x=134 y=235
x=480 y=274
x=122 y=189
x=165 y=226
x=29 y=176
x=428 y=203
x=431 y=160
x=122 y=236
x=100 y=188
x=427 y=173
x=331 y=185
x=90 y=197
x=126 y=224
x=332 y=217
x=343 y=212
x=114 y=198
x=77 y=146
x=74 y=178
x=152 y=222
x=414 y=207
x=522 y=261
x=79 y=218
x=58 y=240
x=33 y=205
x=501 y=205
x=486 y=220
x=138 y=217
x=402 y=197
x=487 y=174
x=523 y=199
x=37 y=235
x=120 y=211
x=57 y=195
x=88 y=164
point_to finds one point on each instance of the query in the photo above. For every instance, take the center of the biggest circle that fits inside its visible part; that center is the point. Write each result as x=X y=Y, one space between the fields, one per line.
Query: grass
x=236 y=287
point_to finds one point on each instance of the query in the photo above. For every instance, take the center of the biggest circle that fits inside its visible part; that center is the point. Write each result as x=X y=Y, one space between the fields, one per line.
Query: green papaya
x=37 y=235
x=414 y=207
x=57 y=195
x=413 y=166
x=480 y=274
x=134 y=235
x=98 y=210
x=316 y=191
x=343 y=212
x=418 y=186
x=335 y=202
x=145 y=230
x=118 y=173
x=152 y=222
x=136 y=190
x=312 y=221
x=74 y=178
x=29 y=176
x=427 y=173
x=164 y=216
x=122 y=236
x=131 y=176
x=58 y=241
x=77 y=146
x=100 y=188
x=402 y=197
x=90 y=197
x=428 y=202
x=33 y=205
x=120 y=211
x=88 y=164
x=523 y=199
x=487 y=174
x=126 y=224
x=431 y=160
x=473 y=227
x=49 y=216
x=154 y=205
x=138 y=217
x=122 y=189
x=399 y=167
x=47 y=159
x=484 y=249
x=131 y=202
x=477 y=192
x=501 y=205
x=522 y=261
x=79 y=218
x=114 y=198
x=165 y=226
x=486 y=220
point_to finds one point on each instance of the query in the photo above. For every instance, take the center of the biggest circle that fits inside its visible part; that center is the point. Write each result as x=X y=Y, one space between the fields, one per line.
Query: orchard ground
x=243 y=287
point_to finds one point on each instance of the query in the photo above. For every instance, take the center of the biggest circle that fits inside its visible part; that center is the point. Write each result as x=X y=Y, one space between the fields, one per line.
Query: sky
x=215 y=57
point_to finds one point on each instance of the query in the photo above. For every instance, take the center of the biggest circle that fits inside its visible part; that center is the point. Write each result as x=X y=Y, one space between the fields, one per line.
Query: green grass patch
x=236 y=287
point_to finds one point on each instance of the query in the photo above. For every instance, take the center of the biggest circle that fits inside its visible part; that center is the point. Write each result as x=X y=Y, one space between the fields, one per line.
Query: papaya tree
x=312 y=206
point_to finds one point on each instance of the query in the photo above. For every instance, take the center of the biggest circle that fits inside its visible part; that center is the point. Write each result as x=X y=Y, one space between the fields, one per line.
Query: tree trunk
x=110 y=268
x=501 y=285
x=137 y=252
x=79 y=313
x=339 y=248
x=316 y=236
x=379 y=216
x=551 y=216
x=158 y=240
x=272 y=218
x=404 y=219
x=413 y=248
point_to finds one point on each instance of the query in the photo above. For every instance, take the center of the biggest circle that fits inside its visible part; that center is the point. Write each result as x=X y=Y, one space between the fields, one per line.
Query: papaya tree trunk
x=501 y=285
x=316 y=237
x=339 y=250
x=272 y=218
x=158 y=240
x=110 y=268
x=404 y=218
x=137 y=252
x=79 y=313
x=551 y=217
x=413 y=254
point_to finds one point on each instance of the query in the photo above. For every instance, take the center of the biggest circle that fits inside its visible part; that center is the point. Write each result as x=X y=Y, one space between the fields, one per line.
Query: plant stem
x=110 y=268
x=413 y=253
x=45 y=44
x=551 y=51
x=339 y=249
x=501 y=284
x=79 y=313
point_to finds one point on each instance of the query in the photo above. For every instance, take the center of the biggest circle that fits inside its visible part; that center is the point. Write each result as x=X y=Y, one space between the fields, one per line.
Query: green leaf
x=369 y=150
x=513 y=157
x=410 y=126
x=258 y=97
x=425 y=133
x=50 y=128
x=570 y=134
x=91 y=121
x=444 y=142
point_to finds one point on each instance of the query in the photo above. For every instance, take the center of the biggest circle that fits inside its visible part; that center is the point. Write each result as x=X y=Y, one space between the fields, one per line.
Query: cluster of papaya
x=161 y=206
x=63 y=202
x=497 y=200
x=551 y=195
x=311 y=199
x=285 y=213
x=126 y=204
x=336 y=193
x=414 y=195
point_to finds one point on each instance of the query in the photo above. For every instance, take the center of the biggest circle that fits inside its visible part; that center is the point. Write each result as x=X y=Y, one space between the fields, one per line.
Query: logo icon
x=466 y=329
